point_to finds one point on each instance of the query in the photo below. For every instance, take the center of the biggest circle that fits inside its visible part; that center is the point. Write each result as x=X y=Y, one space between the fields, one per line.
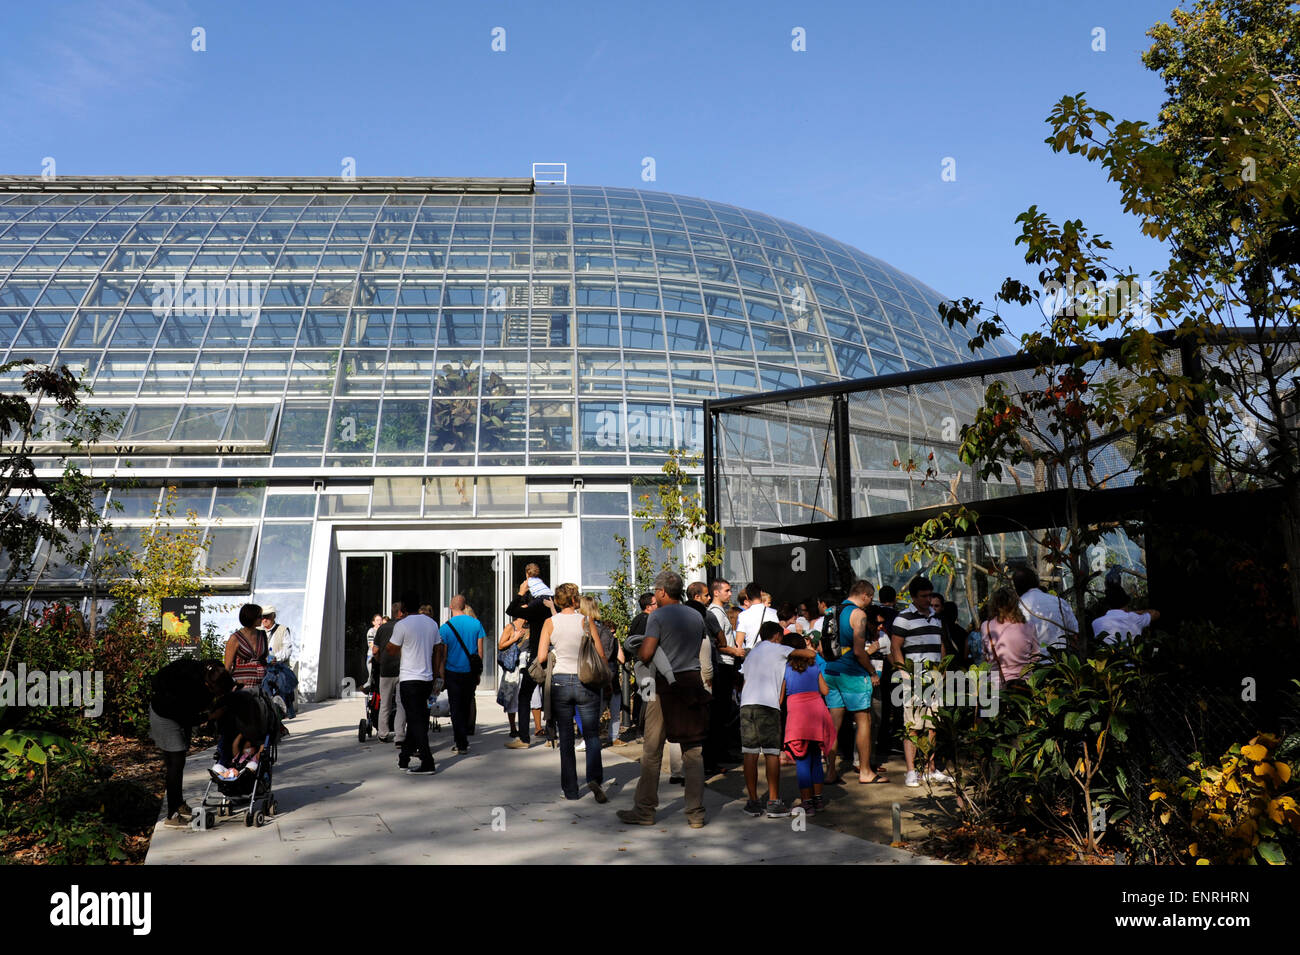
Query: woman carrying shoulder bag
x=565 y=633
x=513 y=639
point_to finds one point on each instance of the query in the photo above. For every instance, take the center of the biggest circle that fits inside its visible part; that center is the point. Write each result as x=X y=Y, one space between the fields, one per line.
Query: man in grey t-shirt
x=679 y=630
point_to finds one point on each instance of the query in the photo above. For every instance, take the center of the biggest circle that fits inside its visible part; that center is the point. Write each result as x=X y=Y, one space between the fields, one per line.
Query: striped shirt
x=922 y=635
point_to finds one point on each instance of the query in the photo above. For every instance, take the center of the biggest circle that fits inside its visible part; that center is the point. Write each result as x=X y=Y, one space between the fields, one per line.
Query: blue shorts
x=851 y=692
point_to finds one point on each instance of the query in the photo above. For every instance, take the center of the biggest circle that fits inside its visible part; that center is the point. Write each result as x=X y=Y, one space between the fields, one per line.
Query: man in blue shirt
x=463 y=637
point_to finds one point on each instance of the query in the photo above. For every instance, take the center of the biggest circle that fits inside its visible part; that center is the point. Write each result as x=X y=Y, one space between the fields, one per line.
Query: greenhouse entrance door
x=488 y=578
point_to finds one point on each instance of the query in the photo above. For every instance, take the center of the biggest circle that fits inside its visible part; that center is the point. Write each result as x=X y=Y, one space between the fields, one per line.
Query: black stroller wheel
x=362 y=730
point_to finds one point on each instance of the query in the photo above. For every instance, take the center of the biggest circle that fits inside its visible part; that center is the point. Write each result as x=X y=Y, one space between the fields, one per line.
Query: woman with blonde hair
x=1010 y=644
x=569 y=696
x=612 y=698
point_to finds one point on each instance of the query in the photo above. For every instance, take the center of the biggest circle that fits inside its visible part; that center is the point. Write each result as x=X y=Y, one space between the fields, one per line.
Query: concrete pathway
x=341 y=801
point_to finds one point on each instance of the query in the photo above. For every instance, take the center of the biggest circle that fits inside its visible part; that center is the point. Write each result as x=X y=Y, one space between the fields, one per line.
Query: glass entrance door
x=476 y=579
x=363 y=597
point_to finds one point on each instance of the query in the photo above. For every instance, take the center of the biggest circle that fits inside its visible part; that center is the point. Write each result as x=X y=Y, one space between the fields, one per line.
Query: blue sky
x=846 y=137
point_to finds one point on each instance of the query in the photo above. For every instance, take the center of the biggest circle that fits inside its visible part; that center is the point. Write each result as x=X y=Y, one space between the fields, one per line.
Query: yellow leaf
x=1283 y=771
x=1164 y=817
x=1254 y=751
x=1156 y=795
x=1193 y=849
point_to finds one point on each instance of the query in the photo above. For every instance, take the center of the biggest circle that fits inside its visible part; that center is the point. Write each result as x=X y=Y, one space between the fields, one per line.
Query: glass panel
x=250 y=422
x=264 y=373
x=121 y=373
x=403 y=427
x=397 y=496
x=501 y=495
x=409 y=373
x=239 y=501
x=93 y=328
x=550 y=428
x=604 y=502
x=287 y=505
x=363 y=372
x=302 y=426
x=149 y=423
x=229 y=553
x=217 y=373
x=354 y=426
x=313 y=372
x=201 y=423
x=370 y=329
x=552 y=502
x=445 y=496
x=600 y=551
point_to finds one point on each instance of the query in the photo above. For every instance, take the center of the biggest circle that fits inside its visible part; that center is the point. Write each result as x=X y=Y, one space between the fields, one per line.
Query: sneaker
x=461 y=752
x=185 y=812
x=809 y=808
x=582 y=745
x=937 y=776
x=514 y=734
x=516 y=744
x=911 y=780
x=695 y=822
x=175 y=821
x=819 y=803
x=404 y=764
x=776 y=809
x=677 y=780
x=598 y=792
x=632 y=818
x=421 y=768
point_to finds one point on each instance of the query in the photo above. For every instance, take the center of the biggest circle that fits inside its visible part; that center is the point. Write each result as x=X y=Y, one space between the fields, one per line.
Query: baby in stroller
x=246 y=722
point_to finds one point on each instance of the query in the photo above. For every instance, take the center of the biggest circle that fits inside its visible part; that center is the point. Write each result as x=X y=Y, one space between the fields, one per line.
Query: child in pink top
x=809 y=729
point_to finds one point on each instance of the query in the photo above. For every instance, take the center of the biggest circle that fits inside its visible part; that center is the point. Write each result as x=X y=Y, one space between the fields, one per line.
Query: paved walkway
x=342 y=801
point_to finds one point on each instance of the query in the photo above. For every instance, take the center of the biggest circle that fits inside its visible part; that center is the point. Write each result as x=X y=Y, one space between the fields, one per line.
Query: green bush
x=125 y=649
x=1052 y=758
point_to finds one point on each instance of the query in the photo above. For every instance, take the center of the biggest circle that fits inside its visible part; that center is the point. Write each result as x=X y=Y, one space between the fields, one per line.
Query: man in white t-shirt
x=752 y=618
x=416 y=638
x=1119 y=623
x=1051 y=616
x=760 y=716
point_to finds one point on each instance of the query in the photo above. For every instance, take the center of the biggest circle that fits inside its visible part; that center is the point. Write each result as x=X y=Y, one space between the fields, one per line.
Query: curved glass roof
x=570 y=325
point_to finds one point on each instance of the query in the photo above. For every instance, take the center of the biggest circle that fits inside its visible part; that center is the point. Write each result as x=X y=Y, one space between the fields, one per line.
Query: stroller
x=250 y=793
x=369 y=725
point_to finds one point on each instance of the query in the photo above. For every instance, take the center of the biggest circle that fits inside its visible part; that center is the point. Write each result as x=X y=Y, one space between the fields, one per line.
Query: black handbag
x=475 y=661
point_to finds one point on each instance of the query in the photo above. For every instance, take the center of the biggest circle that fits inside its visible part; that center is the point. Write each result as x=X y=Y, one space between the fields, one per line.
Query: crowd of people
x=714 y=675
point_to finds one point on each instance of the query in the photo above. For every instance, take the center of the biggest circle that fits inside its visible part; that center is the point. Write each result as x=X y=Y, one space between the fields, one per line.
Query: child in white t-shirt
x=760 y=715
x=537 y=588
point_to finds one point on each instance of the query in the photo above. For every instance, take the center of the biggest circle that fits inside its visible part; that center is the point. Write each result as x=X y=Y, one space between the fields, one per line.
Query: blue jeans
x=569 y=698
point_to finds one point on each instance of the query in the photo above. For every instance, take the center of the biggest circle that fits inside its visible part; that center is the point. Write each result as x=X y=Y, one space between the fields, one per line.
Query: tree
x=163 y=563
x=62 y=514
x=1217 y=178
x=675 y=514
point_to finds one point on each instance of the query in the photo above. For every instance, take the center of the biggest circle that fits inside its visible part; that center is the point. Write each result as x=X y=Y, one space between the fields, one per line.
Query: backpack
x=831 y=633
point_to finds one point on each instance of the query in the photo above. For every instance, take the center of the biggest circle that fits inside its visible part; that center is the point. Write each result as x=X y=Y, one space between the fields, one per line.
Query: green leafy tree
x=1217 y=178
x=674 y=512
x=62 y=514
x=165 y=562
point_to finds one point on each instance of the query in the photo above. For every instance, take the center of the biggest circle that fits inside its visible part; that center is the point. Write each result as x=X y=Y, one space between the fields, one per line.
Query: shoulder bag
x=592 y=669
x=475 y=661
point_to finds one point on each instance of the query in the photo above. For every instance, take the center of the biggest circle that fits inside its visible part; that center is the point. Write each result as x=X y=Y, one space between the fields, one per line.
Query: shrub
x=1242 y=811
